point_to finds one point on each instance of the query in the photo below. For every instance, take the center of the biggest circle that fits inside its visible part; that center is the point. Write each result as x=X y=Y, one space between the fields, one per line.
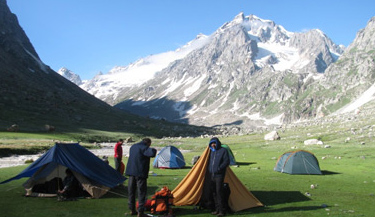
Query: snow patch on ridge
x=367 y=96
x=41 y=64
x=180 y=108
x=274 y=121
x=196 y=85
x=288 y=56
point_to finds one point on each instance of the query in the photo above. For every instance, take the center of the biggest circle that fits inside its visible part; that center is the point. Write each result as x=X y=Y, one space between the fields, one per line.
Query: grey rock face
x=238 y=77
x=315 y=45
x=350 y=76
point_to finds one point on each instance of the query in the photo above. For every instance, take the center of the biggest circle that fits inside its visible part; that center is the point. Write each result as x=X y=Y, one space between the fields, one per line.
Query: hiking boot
x=141 y=214
x=220 y=214
x=132 y=213
x=214 y=213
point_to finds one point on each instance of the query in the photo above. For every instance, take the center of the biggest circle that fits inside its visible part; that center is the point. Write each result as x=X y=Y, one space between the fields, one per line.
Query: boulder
x=272 y=136
x=313 y=142
x=195 y=159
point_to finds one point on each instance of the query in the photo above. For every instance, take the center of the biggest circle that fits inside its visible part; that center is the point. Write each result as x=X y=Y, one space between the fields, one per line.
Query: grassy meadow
x=347 y=187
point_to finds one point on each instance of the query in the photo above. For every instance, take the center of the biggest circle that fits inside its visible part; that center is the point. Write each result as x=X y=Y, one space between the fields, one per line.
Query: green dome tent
x=298 y=162
x=231 y=156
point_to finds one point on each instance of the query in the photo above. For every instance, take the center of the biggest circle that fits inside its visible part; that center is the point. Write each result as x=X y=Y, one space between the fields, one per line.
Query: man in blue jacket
x=137 y=169
x=218 y=163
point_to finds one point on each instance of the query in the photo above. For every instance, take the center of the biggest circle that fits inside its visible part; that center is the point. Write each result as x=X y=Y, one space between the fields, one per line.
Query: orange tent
x=189 y=190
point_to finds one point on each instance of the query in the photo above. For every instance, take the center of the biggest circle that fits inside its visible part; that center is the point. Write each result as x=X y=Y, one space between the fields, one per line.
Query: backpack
x=226 y=197
x=162 y=201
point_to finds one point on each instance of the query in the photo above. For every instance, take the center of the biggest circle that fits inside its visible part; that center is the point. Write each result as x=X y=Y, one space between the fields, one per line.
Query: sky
x=92 y=36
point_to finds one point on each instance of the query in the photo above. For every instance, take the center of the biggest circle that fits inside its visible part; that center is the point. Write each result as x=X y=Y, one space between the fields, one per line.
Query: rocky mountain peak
x=354 y=71
x=365 y=37
x=70 y=75
x=239 y=18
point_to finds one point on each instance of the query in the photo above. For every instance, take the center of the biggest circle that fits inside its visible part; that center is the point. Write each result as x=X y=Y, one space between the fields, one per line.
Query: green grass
x=347 y=187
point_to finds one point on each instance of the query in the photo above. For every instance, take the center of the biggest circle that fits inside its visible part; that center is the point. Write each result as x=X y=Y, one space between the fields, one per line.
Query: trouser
x=118 y=164
x=217 y=190
x=137 y=184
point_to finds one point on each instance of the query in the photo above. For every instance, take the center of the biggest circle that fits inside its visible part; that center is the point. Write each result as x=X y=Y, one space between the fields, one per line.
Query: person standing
x=137 y=169
x=217 y=166
x=118 y=155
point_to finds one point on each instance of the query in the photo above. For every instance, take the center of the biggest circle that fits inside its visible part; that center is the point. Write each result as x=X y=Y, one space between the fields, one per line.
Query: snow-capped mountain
x=108 y=86
x=71 y=76
x=249 y=72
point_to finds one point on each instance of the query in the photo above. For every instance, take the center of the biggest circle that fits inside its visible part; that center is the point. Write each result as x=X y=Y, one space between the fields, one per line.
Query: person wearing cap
x=217 y=166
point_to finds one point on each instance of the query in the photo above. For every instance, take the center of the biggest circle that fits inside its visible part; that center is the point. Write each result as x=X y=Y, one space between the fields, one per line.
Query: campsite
x=221 y=74
x=345 y=188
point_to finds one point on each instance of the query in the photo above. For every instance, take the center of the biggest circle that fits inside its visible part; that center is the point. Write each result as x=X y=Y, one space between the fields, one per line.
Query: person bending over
x=137 y=169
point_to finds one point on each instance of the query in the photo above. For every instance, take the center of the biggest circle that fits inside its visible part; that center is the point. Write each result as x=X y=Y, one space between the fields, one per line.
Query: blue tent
x=169 y=157
x=96 y=176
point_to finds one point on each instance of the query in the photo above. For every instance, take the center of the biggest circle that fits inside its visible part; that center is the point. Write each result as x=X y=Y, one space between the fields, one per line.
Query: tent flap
x=189 y=190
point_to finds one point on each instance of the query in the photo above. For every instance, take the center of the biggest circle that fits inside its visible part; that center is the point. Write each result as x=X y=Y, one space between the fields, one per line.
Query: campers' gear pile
x=162 y=202
x=96 y=176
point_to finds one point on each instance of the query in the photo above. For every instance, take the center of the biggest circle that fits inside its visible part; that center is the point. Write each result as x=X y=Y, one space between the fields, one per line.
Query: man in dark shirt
x=217 y=166
x=137 y=169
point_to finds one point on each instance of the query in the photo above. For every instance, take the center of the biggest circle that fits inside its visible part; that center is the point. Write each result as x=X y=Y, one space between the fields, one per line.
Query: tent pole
x=58 y=175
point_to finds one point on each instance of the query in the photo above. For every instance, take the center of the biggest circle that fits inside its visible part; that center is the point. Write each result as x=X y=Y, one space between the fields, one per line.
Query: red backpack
x=162 y=202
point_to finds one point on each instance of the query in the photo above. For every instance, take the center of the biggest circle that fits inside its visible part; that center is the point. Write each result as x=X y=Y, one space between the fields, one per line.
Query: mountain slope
x=33 y=96
x=108 y=87
x=349 y=83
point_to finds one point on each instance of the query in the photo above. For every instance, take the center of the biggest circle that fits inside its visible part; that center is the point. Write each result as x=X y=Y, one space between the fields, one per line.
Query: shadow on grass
x=245 y=163
x=122 y=191
x=191 y=211
x=270 y=198
x=279 y=210
x=182 y=168
x=326 y=172
x=294 y=208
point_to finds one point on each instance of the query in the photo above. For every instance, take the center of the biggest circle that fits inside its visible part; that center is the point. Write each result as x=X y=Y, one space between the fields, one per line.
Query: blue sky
x=89 y=36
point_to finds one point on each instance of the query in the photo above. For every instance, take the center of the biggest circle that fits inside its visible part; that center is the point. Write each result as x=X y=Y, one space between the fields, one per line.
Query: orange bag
x=162 y=201
x=122 y=168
